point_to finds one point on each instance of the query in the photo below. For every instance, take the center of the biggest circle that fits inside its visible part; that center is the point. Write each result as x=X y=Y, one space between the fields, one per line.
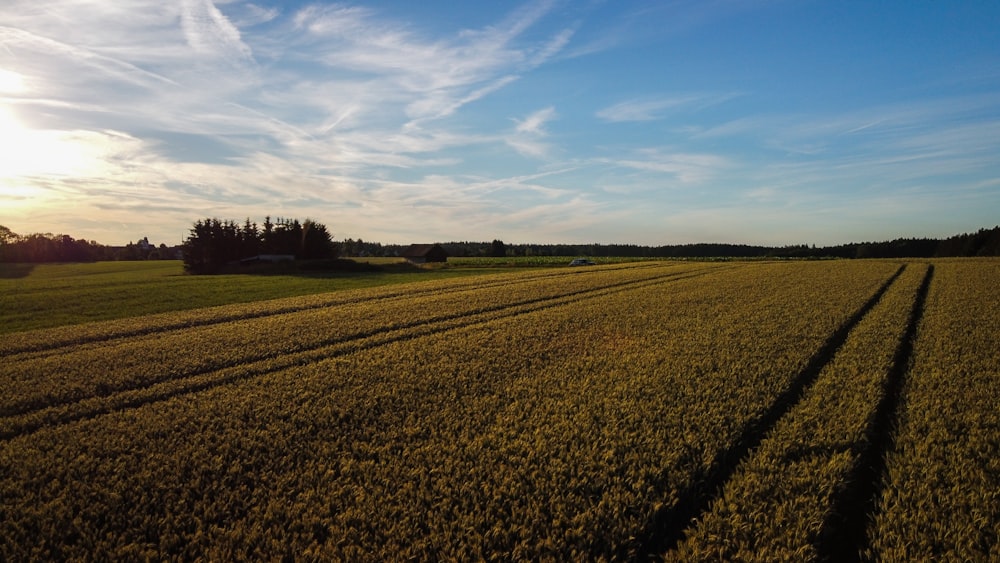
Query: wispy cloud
x=444 y=103
x=651 y=109
x=640 y=110
x=528 y=135
x=643 y=110
x=439 y=76
x=685 y=168
x=20 y=44
x=211 y=34
x=249 y=15
x=533 y=124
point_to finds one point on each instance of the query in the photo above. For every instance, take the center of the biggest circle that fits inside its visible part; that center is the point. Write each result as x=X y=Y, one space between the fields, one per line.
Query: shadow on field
x=14 y=271
x=336 y=267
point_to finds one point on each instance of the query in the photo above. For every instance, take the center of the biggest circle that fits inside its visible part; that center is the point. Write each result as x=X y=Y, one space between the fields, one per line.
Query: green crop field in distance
x=34 y=296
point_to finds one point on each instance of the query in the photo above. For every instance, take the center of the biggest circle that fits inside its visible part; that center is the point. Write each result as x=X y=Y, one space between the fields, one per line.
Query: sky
x=654 y=122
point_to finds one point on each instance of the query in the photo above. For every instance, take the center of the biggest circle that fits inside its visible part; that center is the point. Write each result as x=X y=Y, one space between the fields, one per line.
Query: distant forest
x=985 y=242
x=64 y=248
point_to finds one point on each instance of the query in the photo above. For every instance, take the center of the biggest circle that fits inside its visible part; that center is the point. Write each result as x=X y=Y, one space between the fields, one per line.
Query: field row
x=100 y=332
x=689 y=412
x=69 y=383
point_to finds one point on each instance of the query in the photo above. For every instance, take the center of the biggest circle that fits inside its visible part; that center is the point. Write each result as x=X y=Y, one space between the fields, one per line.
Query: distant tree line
x=215 y=243
x=985 y=242
x=46 y=247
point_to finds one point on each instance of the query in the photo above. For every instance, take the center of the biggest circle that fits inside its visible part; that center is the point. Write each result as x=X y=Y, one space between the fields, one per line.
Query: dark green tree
x=498 y=249
x=213 y=243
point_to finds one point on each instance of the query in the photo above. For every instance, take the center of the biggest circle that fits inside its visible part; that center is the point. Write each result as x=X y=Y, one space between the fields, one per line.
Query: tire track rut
x=667 y=527
x=35 y=417
x=844 y=535
x=47 y=344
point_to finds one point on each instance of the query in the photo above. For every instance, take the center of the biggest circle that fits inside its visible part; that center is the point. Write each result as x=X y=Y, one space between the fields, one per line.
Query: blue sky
x=659 y=122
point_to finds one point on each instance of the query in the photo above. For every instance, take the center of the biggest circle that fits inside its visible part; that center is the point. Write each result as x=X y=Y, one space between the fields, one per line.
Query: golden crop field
x=766 y=411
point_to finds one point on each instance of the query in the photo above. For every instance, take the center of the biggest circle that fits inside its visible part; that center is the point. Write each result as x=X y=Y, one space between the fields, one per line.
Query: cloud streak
x=211 y=34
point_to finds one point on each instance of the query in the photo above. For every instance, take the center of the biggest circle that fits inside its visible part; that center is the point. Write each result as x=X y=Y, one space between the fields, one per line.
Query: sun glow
x=45 y=168
x=42 y=153
x=32 y=159
x=23 y=152
x=12 y=138
x=10 y=82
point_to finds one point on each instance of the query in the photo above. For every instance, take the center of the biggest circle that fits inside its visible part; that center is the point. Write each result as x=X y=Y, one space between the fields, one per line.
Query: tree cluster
x=214 y=243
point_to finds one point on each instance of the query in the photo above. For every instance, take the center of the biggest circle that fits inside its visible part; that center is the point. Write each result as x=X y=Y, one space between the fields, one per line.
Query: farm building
x=422 y=253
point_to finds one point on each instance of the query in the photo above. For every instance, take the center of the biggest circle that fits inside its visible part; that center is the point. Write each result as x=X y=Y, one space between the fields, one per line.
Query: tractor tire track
x=28 y=346
x=25 y=395
x=167 y=387
x=668 y=525
x=844 y=533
